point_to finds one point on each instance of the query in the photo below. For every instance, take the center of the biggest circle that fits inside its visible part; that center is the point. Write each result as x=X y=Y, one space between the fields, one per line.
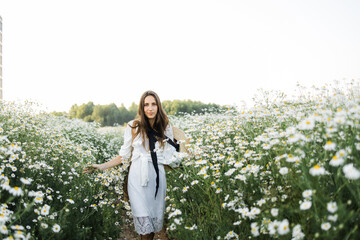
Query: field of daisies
x=284 y=169
x=43 y=193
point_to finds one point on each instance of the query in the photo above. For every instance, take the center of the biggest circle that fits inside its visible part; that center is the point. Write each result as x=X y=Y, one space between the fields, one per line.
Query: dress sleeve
x=125 y=150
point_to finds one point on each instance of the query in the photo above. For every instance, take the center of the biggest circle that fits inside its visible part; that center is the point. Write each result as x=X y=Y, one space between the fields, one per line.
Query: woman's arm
x=112 y=163
x=124 y=153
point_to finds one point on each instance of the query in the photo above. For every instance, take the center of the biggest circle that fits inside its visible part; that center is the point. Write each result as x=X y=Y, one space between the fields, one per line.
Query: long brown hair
x=142 y=122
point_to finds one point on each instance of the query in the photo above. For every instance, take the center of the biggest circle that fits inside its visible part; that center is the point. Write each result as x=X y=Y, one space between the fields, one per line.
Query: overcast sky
x=110 y=51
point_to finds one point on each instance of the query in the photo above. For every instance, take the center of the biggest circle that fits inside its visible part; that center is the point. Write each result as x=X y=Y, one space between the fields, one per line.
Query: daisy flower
x=274 y=212
x=44 y=225
x=231 y=235
x=56 y=228
x=194 y=182
x=336 y=161
x=330 y=146
x=70 y=201
x=332 y=207
x=45 y=210
x=283 y=170
x=16 y=191
x=307 y=124
x=351 y=172
x=307 y=193
x=297 y=234
x=230 y=172
x=3 y=228
x=357 y=145
x=305 y=205
x=317 y=170
x=333 y=218
x=254 y=229
x=17 y=227
x=325 y=226
x=284 y=227
x=26 y=181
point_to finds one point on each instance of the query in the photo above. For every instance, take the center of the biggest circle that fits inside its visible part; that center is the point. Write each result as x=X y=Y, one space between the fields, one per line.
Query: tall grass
x=286 y=170
x=43 y=193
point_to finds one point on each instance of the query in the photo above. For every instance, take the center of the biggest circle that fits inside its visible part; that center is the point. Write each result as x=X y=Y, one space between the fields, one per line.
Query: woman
x=146 y=142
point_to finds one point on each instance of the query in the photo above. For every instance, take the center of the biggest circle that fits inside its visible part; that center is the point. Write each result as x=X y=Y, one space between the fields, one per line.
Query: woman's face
x=150 y=107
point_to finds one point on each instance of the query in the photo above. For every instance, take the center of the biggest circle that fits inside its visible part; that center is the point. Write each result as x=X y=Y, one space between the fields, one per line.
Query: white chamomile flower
x=325 y=226
x=44 y=225
x=332 y=207
x=45 y=210
x=255 y=229
x=26 y=181
x=274 y=212
x=307 y=193
x=56 y=228
x=194 y=182
x=336 y=161
x=317 y=170
x=351 y=172
x=330 y=146
x=16 y=191
x=283 y=170
x=305 y=205
x=284 y=227
x=231 y=235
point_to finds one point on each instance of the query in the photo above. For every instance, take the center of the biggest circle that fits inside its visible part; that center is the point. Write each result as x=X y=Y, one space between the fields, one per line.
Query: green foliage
x=42 y=185
x=279 y=170
x=105 y=115
x=284 y=169
x=188 y=106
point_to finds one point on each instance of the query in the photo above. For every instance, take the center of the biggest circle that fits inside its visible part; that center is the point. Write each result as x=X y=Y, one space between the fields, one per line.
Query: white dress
x=147 y=211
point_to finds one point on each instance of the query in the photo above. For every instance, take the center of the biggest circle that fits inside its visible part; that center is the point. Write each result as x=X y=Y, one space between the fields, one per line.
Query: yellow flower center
x=316 y=166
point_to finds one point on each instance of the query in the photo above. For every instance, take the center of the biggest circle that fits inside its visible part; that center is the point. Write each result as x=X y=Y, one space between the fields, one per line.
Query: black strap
x=171 y=142
x=152 y=140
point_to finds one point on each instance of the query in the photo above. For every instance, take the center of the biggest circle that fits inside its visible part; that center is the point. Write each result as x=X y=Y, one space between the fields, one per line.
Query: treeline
x=110 y=115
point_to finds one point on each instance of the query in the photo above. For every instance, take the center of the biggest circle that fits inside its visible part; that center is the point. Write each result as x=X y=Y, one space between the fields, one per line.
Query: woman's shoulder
x=133 y=123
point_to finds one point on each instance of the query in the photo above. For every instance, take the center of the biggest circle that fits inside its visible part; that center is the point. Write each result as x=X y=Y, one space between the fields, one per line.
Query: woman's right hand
x=92 y=168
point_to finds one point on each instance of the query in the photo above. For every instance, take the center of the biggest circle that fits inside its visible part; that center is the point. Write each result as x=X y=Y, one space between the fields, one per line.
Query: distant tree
x=133 y=109
x=167 y=106
x=125 y=115
x=60 y=114
x=187 y=106
x=99 y=114
x=73 y=111
x=111 y=115
x=83 y=111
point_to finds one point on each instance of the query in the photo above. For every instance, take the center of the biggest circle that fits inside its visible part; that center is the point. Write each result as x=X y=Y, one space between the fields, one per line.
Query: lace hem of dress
x=146 y=225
